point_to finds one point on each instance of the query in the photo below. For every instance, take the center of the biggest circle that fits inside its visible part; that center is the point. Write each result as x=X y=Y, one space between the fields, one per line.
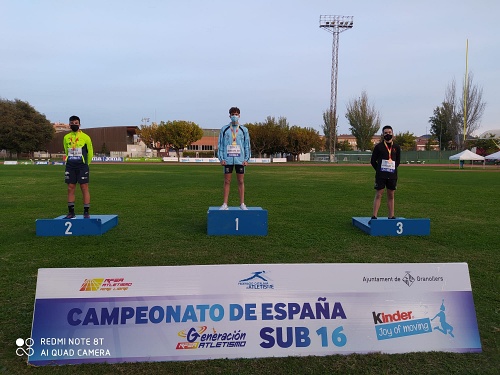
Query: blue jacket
x=226 y=139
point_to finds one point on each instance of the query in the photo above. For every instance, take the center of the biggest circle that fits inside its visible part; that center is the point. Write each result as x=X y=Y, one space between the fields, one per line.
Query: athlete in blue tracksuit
x=233 y=151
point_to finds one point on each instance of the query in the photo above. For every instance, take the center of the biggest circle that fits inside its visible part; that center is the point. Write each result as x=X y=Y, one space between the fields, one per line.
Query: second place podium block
x=95 y=226
x=237 y=222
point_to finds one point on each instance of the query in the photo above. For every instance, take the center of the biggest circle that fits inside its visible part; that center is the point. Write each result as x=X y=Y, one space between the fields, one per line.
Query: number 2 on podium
x=68 y=229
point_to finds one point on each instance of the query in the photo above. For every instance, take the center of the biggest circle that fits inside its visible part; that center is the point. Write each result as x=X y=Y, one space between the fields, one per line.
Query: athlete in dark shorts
x=79 y=152
x=233 y=151
x=385 y=160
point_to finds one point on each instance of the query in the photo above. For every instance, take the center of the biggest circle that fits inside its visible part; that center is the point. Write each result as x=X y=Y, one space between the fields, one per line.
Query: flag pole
x=466 y=84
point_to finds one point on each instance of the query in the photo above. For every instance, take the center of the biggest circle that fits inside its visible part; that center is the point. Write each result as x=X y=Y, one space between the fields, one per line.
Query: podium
x=393 y=227
x=59 y=226
x=237 y=222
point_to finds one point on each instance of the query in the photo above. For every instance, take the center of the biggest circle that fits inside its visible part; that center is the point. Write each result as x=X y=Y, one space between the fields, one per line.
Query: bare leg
x=227 y=186
x=241 y=187
x=390 y=202
x=86 y=193
x=71 y=192
x=376 y=201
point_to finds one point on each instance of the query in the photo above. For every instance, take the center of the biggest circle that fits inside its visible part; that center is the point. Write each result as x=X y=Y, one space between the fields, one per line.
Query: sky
x=119 y=62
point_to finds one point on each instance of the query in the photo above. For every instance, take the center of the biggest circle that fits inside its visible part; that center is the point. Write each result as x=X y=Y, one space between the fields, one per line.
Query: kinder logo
x=93 y=285
x=381 y=318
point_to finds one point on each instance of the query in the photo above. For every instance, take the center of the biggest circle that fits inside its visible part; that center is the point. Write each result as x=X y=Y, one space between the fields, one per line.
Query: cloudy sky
x=116 y=62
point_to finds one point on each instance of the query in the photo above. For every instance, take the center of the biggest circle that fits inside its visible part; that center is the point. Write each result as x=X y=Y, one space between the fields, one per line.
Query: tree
x=302 y=140
x=407 y=141
x=485 y=146
x=344 y=146
x=162 y=138
x=429 y=145
x=180 y=134
x=257 y=139
x=23 y=128
x=326 y=130
x=364 y=121
x=268 y=137
x=444 y=124
x=149 y=135
x=104 y=149
x=449 y=119
x=472 y=105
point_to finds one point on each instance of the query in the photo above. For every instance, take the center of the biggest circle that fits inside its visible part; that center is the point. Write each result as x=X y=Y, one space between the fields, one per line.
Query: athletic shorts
x=79 y=174
x=382 y=183
x=228 y=169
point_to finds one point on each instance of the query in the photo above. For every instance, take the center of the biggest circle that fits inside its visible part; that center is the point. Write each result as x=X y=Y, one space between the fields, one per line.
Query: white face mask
x=234 y=118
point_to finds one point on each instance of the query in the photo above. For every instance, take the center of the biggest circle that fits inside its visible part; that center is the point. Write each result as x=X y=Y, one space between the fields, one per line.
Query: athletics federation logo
x=256 y=281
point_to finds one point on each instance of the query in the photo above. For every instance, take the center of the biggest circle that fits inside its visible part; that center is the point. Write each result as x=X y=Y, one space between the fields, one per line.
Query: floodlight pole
x=334 y=25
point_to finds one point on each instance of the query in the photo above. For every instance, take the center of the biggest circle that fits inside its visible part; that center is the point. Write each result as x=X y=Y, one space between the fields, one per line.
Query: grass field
x=162 y=221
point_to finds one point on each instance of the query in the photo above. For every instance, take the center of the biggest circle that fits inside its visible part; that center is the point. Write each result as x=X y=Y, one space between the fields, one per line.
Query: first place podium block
x=393 y=227
x=237 y=222
x=59 y=226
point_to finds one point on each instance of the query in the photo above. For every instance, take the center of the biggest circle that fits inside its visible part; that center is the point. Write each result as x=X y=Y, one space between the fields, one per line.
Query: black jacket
x=380 y=152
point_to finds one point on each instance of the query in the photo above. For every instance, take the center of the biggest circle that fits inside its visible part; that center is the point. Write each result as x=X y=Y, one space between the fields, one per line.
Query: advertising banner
x=109 y=159
x=86 y=315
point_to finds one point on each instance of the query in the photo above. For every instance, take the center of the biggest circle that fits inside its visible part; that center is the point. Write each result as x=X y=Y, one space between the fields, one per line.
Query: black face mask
x=74 y=128
x=387 y=137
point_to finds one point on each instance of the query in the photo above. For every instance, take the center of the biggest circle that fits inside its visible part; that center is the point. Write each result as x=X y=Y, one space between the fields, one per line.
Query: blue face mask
x=234 y=119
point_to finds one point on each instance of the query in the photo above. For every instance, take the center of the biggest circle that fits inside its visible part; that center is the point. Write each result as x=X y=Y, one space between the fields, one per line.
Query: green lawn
x=162 y=221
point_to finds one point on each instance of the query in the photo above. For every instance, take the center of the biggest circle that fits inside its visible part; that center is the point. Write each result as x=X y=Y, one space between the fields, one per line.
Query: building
x=208 y=141
x=123 y=141
x=422 y=143
x=352 y=140
x=116 y=140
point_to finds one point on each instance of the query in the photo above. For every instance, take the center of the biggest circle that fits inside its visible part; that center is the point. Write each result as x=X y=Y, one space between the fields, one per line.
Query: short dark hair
x=74 y=118
x=234 y=110
x=386 y=127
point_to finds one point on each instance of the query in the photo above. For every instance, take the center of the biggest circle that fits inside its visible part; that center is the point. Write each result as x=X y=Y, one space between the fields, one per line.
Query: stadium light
x=334 y=25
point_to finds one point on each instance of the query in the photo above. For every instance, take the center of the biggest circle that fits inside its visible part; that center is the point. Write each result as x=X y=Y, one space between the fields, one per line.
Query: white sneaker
x=223 y=207
x=243 y=206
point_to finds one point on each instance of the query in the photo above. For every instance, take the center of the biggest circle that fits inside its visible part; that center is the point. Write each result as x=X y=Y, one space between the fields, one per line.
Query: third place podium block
x=95 y=226
x=393 y=227
x=237 y=222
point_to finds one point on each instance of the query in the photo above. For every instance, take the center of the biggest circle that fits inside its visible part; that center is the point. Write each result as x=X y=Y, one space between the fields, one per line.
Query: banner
x=87 y=315
x=112 y=159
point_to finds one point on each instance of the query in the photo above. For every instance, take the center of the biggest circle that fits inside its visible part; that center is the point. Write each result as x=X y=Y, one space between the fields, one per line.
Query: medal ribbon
x=234 y=134
x=388 y=150
x=73 y=142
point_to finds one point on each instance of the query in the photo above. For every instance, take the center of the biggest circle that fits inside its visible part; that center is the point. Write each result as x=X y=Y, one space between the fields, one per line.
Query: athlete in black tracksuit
x=385 y=160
